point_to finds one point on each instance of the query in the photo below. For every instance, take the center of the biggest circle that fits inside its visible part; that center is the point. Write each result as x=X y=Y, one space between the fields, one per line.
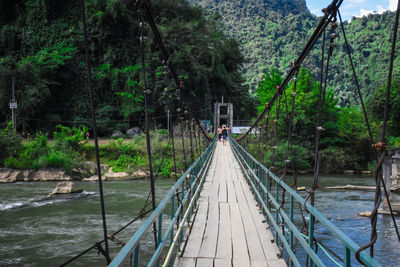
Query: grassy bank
x=69 y=149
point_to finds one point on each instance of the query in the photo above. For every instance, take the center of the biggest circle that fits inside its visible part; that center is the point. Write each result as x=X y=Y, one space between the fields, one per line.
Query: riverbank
x=50 y=174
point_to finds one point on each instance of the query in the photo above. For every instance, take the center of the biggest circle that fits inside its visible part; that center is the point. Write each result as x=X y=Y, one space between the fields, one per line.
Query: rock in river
x=65 y=188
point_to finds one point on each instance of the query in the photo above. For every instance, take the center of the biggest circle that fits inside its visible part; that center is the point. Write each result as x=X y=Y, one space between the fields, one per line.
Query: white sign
x=13 y=105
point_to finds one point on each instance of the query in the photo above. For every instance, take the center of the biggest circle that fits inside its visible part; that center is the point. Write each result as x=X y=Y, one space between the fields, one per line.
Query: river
x=41 y=232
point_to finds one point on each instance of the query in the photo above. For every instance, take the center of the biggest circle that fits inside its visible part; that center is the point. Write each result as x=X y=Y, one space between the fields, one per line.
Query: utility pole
x=13 y=104
x=168 y=121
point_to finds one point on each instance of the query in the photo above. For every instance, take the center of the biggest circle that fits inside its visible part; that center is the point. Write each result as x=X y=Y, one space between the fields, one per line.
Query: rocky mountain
x=272 y=34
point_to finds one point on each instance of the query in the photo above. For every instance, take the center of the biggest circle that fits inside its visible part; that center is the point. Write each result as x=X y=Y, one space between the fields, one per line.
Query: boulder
x=134 y=132
x=50 y=174
x=88 y=168
x=65 y=188
x=10 y=175
x=115 y=175
x=28 y=175
x=93 y=178
x=365 y=213
x=117 y=134
x=140 y=174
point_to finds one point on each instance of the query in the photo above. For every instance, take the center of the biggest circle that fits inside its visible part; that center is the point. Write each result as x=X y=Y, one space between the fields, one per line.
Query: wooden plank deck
x=228 y=230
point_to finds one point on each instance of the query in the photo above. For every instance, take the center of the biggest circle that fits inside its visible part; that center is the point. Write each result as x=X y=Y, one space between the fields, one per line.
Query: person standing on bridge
x=219 y=131
x=224 y=134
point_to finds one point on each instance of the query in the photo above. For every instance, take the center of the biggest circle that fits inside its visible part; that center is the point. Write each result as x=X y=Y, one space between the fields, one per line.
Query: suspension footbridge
x=228 y=228
x=227 y=208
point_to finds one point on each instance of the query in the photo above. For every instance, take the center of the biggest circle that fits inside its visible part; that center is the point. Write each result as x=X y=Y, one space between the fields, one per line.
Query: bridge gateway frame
x=218 y=115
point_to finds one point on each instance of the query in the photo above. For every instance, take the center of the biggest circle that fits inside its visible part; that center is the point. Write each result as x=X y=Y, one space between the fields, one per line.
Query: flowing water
x=36 y=231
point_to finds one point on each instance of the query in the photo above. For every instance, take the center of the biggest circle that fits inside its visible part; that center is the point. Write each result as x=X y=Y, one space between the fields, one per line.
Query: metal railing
x=267 y=189
x=182 y=200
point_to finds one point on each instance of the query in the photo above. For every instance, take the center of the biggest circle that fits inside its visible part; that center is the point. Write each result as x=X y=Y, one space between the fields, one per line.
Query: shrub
x=69 y=140
x=301 y=157
x=125 y=162
x=10 y=143
x=57 y=159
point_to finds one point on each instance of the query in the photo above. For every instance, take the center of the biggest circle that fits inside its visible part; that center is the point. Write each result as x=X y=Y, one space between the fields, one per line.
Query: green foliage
x=37 y=154
x=49 y=58
x=126 y=162
x=267 y=87
x=41 y=44
x=273 y=34
x=58 y=159
x=377 y=107
x=68 y=139
x=301 y=157
x=10 y=143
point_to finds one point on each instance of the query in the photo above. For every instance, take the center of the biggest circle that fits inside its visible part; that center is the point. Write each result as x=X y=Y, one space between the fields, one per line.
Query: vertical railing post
x=171 y=238
x=347 y=257
x=291 y=232
x=136 y=256
x=311 y=237
x=268 y=191
x=263 y=192
x=159 y=228
x=276 y=211
x=183 y=206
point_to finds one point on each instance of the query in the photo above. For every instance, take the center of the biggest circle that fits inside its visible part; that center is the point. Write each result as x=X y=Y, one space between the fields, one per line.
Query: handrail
x=189 y=182
x=259 y=177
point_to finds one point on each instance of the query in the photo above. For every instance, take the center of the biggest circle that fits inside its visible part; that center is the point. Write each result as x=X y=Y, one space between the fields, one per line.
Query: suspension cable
x=330 y=14
x=147 y=92
x=378 y=174
x=96 y=143
x=356 y=79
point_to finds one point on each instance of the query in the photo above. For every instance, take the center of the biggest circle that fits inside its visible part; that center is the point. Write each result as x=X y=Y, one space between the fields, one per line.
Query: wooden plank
x=196 y=236
x=253 y=241
x=213 y=198
x=222 y=195
x=254 y=247
x=224 y=246
x=185 y=262
x=270 y=249
x=209 y=244
x=241 y=263
x=260 y=264
x=277 y=263
x=204 y=262
x=231 y=190
x=239 y=243
x=222 y=263
x=205 y=194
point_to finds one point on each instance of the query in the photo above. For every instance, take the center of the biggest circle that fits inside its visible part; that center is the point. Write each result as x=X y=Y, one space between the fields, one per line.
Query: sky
x=354 y=8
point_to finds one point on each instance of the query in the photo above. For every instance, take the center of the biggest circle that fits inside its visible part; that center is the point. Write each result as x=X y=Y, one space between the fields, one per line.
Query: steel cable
x=96 y=144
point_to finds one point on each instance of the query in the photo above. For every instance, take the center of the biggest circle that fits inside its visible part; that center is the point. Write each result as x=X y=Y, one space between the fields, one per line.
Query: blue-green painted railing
x=267 y=188
x=182 y=205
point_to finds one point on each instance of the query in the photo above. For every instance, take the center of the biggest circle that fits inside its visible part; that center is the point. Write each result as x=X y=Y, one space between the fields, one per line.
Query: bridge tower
x=223 y=114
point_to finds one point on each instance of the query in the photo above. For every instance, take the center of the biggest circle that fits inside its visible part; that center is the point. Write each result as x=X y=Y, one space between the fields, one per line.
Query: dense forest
x=240 y=50
x=41 y=45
